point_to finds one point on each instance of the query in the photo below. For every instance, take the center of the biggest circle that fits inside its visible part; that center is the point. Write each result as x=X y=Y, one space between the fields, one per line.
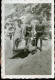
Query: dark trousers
x=38 y=35
x=27 y=36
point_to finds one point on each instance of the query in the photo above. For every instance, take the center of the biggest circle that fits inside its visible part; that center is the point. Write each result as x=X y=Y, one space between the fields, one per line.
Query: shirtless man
x=28 y=32
x=39 y=32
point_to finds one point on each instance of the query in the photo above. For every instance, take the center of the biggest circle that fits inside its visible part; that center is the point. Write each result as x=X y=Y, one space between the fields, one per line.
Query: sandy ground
x=37 y=64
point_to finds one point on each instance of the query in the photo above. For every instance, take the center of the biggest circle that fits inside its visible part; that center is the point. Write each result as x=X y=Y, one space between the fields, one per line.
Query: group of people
x=27 y=33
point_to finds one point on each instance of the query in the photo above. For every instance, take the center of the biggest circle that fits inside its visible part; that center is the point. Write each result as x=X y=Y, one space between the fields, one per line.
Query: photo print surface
x=28 y=38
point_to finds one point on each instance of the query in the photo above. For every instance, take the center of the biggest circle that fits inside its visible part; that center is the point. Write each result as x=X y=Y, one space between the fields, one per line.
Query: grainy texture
x=30 y=14
x=39 y=63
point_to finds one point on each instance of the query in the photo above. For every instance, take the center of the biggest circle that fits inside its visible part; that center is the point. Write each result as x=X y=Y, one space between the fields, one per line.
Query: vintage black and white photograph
x=28 y=38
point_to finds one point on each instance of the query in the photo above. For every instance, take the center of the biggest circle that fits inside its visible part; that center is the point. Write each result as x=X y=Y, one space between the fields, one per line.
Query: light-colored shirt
x=17 y=32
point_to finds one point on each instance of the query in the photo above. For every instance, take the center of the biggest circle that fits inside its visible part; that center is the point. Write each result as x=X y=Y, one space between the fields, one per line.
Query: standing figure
x=10 y=36
x=39 y=32
x=28 y=33
x=17 y=33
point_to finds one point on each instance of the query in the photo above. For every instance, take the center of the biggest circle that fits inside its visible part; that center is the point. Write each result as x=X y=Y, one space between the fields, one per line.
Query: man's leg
x=41 y=38
x=14 y=46
x=36 y=42
x=40 y=44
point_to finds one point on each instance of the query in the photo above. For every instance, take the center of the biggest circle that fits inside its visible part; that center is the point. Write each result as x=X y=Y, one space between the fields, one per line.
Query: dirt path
x=37 y=64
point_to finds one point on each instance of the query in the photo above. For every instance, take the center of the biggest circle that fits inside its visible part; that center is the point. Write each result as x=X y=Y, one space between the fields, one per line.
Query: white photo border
x=3 y=54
